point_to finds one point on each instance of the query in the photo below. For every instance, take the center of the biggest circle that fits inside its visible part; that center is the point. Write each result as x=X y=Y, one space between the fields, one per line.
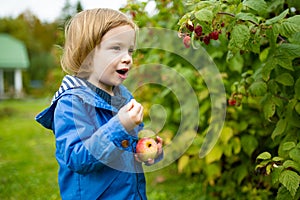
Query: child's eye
x=117 y=48
x=130 y=50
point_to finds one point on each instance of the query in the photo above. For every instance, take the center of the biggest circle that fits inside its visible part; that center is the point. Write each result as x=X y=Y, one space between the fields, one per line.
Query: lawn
x=28 y=169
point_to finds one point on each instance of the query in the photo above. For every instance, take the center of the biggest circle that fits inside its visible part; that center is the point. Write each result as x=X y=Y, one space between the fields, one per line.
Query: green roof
x=13 y=53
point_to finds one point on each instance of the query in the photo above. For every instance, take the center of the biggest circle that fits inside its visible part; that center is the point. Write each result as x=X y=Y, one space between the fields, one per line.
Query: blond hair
x=83 y=33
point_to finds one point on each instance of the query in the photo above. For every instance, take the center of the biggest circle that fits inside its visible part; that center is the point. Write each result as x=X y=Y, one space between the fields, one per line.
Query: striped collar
x=68 y=82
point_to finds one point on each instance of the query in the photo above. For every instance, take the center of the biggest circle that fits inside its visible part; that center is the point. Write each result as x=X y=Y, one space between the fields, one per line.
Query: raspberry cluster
x=199 y=34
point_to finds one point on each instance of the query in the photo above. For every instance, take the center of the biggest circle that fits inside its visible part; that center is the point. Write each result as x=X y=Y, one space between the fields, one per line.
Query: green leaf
x=289 y=26
x=249 y=144
x=295 y=154
x=226 y=134
x=283 y=194
x=280 y=128
x=258 y=88
x=291 y=164
x=288 y=146
x=183 y=162
x=297 y=89
x=285 y=79
x=236 y=145
x=260 y=6
x=275 y=174
x=239 y=37
x=264 y=54
x=277 y=18
x=297 y=108
x=247 y=17
x=240 y=173
x=285 y=53
x=204 y=15
x=214 y=155
x=290 y=180
x=264 y=156
x=267 y=69
x=268 y=105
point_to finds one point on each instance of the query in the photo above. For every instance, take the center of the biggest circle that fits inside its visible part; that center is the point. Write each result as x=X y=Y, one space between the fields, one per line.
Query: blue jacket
x=94 y=151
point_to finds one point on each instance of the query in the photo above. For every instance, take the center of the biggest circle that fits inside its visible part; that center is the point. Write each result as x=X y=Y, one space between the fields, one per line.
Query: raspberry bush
x=256 y=46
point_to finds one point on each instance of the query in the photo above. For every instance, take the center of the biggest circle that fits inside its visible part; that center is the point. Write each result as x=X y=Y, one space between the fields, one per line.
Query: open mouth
x=122 y=71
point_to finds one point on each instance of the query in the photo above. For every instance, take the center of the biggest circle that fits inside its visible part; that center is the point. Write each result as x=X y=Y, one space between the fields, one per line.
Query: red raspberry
x=198 y=30
x=214 y=35
x=232 y=102
x=206 y=39
x=187 y=41
x=190 y=26
x=222 y=24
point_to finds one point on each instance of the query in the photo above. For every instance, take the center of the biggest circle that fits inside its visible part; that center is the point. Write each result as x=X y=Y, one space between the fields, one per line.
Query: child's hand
x=131 y=114
x=150 y=161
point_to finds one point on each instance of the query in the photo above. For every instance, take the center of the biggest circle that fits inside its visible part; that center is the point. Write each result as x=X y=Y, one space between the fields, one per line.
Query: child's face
x=113 y=58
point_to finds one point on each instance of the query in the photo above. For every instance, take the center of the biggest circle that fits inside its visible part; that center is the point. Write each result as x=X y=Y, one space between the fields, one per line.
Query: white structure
x=13 y=58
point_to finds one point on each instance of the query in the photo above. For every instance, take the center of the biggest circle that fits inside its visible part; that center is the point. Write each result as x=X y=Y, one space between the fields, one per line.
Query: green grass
x=28 y=169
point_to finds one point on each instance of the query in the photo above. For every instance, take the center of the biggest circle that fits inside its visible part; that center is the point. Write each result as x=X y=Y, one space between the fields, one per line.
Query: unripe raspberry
x=198 y=30
x=187 y=41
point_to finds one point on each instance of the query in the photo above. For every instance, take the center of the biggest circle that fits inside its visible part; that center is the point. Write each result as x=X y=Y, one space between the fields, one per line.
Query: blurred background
x=31 y=41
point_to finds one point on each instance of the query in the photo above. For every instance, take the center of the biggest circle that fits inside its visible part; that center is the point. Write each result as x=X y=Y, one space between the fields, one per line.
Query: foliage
x=255 y=44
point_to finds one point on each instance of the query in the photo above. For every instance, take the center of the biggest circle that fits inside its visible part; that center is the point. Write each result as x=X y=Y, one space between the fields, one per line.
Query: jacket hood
x=72 y=85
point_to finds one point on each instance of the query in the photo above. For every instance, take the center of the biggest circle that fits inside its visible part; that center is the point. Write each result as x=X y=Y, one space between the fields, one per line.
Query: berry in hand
x=187 y=41
x=198 y=30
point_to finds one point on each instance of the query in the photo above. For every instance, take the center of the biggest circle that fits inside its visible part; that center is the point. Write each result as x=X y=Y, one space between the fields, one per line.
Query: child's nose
x=126 y=59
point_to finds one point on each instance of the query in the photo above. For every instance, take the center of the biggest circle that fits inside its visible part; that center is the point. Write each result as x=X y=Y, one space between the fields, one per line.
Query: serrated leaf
x=285 y=79
x=260 y=6
x=285 y=53
x=249 y=144
x=283 y=194
x=258 y=88
x=290 y=180
x=288 y=146
x=275 y=174
x=277 y=159
x=289 y=26
x=247 y=17
x=277 y=18
x=204 y=15
x=264 y=156
x=280 y=128
x=182 y=163
x=239 y=37
x=267 y=69
x=297 y=89
x=295 y=154
x=291 y=164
